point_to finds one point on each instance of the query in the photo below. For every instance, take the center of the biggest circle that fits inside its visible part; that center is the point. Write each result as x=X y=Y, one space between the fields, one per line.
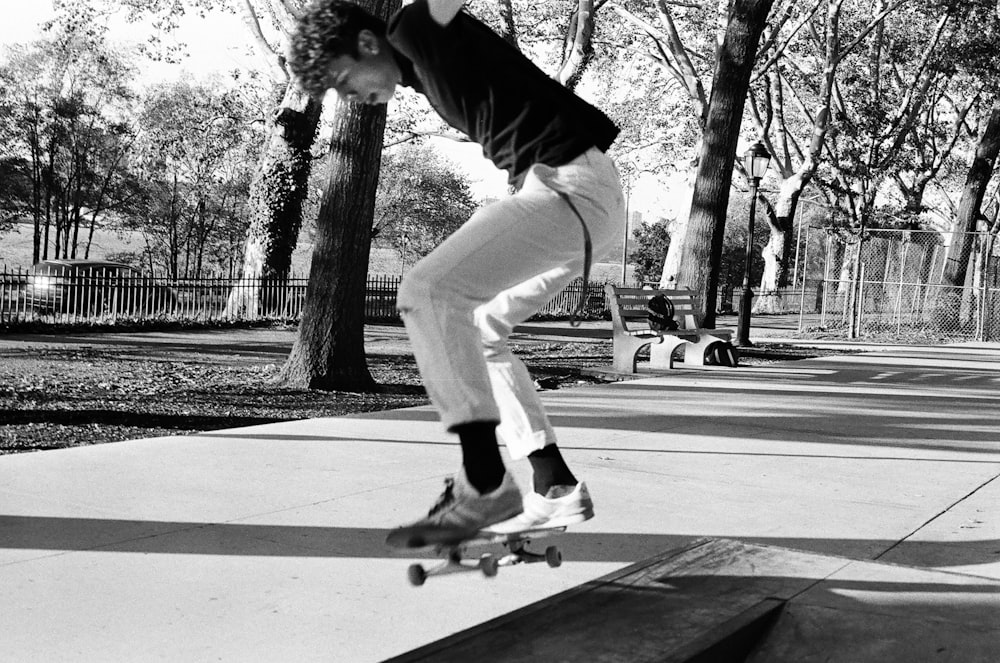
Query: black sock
x=481 y=454
x=550 y=469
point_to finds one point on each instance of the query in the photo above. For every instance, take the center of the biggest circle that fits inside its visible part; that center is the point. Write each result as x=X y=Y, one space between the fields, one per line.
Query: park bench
x=630 y=330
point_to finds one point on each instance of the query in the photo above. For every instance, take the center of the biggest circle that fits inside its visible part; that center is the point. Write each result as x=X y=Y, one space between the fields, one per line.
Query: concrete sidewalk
x=266 y=543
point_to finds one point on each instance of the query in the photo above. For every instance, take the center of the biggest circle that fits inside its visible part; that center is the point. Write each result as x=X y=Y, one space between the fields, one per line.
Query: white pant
x=461 y=302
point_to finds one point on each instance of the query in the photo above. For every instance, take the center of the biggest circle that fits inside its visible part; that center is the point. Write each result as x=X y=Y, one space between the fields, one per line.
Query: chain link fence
x=892 y=283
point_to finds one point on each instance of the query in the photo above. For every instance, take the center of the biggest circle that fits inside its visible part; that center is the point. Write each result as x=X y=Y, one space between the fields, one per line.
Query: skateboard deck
x=451 y=544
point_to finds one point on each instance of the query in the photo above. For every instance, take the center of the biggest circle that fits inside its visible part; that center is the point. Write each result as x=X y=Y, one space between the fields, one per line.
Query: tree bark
x=702 y=252
x=329 y=352
x=777 y=251
x=277 y=193
x=579 y=47
x=508 y=29
x=966 y=219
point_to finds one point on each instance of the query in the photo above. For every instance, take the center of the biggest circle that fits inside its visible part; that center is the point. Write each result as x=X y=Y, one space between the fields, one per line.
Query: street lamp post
x=755 y=161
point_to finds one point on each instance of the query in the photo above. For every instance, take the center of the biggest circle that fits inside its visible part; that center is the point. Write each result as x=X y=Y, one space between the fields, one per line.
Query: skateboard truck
x=488 y=564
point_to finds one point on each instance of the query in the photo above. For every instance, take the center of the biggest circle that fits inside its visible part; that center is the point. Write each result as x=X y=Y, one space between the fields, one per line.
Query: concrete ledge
x=649 y=611
x=722 y=601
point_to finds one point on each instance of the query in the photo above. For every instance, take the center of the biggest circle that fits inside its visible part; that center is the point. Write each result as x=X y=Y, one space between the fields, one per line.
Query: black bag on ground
x=721 y=353
x=660 y=313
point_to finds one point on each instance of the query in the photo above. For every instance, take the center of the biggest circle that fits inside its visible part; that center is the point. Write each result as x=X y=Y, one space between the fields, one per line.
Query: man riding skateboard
x=461 y=302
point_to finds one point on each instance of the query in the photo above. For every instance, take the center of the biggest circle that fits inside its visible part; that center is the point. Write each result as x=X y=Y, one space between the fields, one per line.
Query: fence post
x=805 y=263
x=857 y=303
x=982 y=332
x=826 y=279
x=902 y=274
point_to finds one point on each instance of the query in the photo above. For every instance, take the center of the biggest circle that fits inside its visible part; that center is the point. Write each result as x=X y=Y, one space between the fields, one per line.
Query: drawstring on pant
x=588 y=251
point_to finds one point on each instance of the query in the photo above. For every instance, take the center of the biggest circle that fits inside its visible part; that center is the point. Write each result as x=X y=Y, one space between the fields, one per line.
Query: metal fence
x=886 y=286
x=890 y=283
x=110 y=297
x=805 y=297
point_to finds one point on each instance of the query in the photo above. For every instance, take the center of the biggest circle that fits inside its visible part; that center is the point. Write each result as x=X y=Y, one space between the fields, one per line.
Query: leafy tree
x=64 y=100
x=649 y=247
x=732 y=262
x=800 y=106
x=975 y=51
x=656 y=84
x=15 y=190
x=279 y=185
x=420 y=200
x=192 y=155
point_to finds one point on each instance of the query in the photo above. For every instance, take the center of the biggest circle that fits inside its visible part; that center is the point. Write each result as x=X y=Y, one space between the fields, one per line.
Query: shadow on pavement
x=235 y=539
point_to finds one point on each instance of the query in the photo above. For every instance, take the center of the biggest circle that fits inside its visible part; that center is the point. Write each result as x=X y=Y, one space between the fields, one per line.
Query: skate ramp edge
x=722 y=601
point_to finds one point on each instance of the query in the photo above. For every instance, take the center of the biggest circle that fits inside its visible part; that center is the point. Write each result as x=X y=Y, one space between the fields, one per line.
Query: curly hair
x=325 y=31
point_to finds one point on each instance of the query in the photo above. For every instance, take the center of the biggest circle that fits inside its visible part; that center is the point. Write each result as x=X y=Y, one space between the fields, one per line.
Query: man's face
x=371 y=77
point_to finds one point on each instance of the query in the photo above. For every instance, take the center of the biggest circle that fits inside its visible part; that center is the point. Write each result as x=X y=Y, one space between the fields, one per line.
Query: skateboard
x=451 y=545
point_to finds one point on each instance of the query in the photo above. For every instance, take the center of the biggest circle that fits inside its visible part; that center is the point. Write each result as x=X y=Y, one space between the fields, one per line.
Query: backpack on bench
x=660 y=313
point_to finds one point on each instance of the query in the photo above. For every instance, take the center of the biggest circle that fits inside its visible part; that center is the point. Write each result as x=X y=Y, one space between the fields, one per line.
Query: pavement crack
x=936 y=516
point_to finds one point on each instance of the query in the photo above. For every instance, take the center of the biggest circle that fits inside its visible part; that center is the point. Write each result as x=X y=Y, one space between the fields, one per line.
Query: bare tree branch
x=768 y=39
x=779 y=51
x=412 y=135
x=275 y=60
x=676 y=46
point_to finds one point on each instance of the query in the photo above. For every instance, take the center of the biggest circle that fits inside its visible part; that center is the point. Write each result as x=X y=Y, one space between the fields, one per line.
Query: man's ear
x=368 y=43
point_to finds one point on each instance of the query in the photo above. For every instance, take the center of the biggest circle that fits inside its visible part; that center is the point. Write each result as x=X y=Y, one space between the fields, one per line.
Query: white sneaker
x=462 y=507
x=542 y=512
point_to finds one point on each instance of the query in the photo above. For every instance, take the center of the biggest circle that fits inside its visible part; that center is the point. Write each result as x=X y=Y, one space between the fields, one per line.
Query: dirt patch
x=64 y=397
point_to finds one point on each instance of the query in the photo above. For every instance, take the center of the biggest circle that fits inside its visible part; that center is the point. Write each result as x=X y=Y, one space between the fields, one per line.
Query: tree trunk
x=778 y=250
x=966 y=219
x=579 y=47
x=36 y=189
x=678 y=231
x=277 y=193
x=329 y=352
x=913 y=195
x=508 y=29
x=702 y=252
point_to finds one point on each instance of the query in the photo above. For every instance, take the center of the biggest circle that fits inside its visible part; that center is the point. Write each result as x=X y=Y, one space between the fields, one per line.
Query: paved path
x=265 y=543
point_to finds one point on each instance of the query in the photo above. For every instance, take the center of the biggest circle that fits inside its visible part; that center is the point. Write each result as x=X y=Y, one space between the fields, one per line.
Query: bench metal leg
x=694 y=353
x=624 y=351
x=661 y=354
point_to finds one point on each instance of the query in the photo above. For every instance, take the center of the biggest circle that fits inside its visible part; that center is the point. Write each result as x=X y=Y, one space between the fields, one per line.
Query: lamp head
x=756 y=160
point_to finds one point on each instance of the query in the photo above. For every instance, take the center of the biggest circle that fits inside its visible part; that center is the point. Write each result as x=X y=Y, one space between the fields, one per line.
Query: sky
x=21 y=19
x=216 y=43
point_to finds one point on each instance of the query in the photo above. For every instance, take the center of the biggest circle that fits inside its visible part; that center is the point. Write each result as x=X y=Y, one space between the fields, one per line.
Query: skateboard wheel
x=416 y=574
x=553 y=557
x=488 y=565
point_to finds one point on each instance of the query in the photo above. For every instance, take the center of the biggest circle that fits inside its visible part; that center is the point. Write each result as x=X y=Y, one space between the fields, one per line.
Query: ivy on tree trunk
x=277 y=193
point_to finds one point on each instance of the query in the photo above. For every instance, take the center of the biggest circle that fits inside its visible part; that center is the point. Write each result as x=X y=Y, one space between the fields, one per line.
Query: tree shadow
x=240 y=539
x=186 y=422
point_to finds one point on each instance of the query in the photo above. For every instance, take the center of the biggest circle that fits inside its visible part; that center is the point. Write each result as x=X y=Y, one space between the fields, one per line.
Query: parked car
x=95 y=287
